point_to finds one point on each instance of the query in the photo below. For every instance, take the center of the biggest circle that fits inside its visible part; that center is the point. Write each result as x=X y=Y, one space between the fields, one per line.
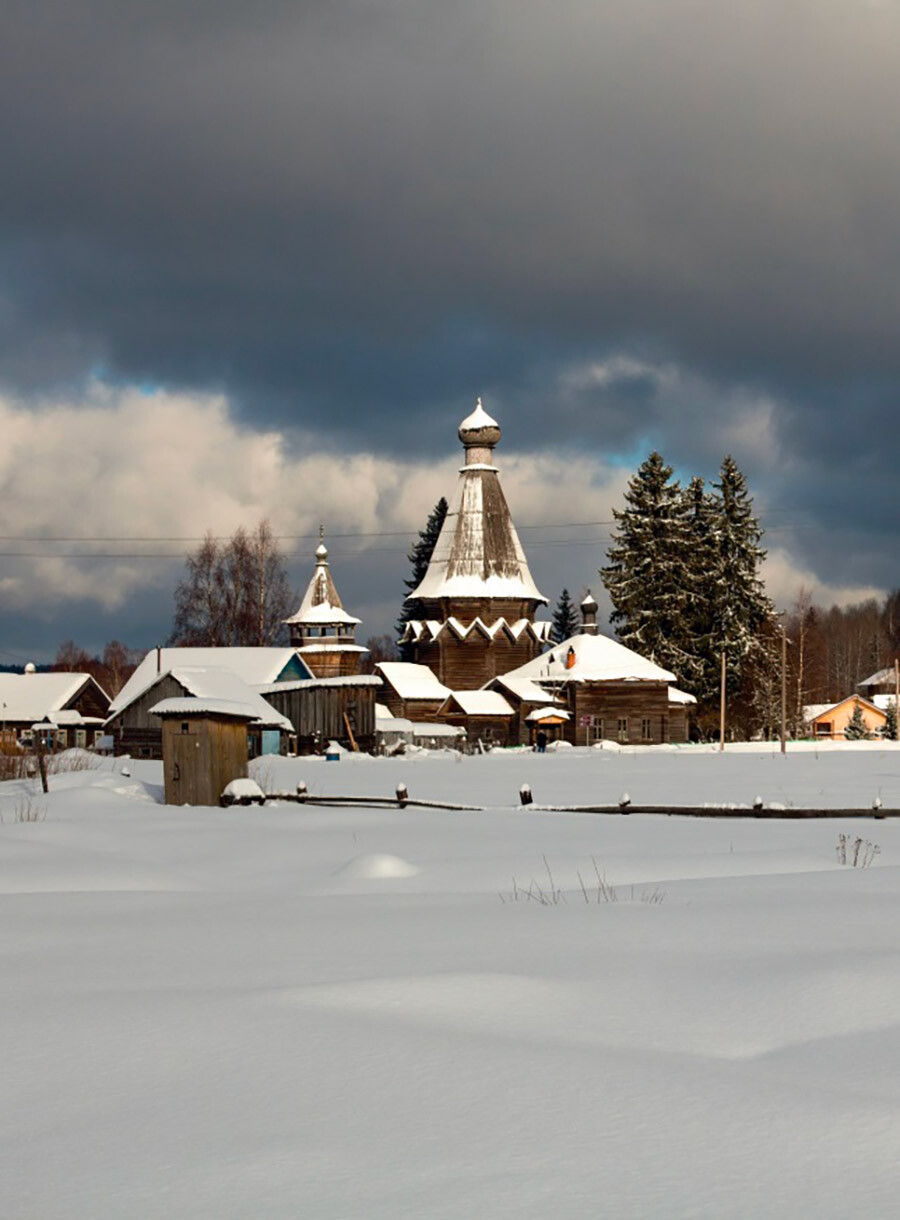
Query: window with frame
x=622 y=728
x=646 y=728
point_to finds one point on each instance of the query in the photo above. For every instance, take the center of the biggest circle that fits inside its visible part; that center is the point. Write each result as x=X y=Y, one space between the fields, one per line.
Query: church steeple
x=478 y=553
x=478 y=596
x=322 y=630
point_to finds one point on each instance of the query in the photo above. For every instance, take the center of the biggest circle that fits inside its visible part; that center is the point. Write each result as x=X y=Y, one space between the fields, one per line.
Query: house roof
x=881 y=678
x=221 y=685
x=256 y=666
x=548 y=713
x=479 y=703
x=814 y=711
x=412 y=681
x=522 y=689
x=597 y=658
x=200 y=707
x=321 y=601
x=680 y=696
x=274 y=688
x=31 y=696
x=478 y=552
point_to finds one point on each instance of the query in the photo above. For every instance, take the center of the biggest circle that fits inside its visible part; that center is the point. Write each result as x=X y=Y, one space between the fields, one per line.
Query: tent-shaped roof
x=595 y=658
x=478 y=552
x=322 y=603
x=31 y=696
x=255 y=666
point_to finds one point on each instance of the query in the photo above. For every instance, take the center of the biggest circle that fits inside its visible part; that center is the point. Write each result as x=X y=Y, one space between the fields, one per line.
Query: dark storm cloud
x=339 y=212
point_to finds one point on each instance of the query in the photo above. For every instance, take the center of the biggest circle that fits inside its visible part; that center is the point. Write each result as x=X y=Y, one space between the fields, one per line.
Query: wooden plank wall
x=199 y=763
x=614 y=701
x=317 y=713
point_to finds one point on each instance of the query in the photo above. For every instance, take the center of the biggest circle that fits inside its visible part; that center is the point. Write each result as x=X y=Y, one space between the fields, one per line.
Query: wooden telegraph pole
x=722 y=706
x=784 y=689
x=896 y=700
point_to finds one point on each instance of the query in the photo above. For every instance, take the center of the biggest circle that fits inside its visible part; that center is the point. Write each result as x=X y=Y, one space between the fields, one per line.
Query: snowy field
x=352 y=1014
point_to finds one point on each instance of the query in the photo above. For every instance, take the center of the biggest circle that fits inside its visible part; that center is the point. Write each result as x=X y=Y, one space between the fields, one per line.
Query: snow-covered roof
x=812 y=711
x=412 y=681
x=256 y=666
x=881 y=678
x=69 y=717
x=429 y=728
x=224 y=686
x=479 y=703
x=523 y=689
x=597 y=659
x=321 y=602
x=191 y=706
x=883 y=701
x=271 y=688
x=680 y=696
x=548 y=713
x=393 y=724
x=31 y=696
x=478 y=552
x=325 y=646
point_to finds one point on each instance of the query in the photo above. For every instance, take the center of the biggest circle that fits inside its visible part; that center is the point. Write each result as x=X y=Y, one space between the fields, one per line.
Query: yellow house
x=831 y=719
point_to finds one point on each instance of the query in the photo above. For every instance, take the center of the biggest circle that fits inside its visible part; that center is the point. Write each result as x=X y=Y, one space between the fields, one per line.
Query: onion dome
x=478 y=430
x=589 y=604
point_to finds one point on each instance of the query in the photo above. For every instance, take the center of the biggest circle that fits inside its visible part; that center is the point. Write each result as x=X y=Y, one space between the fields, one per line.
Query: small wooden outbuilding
x=204 y=747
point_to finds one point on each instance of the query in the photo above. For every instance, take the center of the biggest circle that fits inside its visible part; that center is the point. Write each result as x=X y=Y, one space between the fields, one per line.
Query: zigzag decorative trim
x=433 y=629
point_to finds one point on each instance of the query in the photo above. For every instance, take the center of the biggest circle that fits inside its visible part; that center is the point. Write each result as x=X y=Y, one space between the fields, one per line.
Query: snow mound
x=378 y=867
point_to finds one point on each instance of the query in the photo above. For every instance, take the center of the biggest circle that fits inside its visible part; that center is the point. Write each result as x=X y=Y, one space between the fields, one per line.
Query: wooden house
x=411 y=691
x=881 y=683
x=525 y=698
x=204 y=747
x=66 y=709
x=484 y=715
x=831 y=720
x=136 y=729
x=477 y=600
x=322 y=631
x=609 y=691
x=328 y=709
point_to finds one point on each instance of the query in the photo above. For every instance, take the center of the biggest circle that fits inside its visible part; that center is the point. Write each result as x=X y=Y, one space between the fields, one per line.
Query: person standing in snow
x=541 y=742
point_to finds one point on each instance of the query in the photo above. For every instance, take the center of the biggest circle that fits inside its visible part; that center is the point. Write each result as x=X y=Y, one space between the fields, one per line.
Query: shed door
x=185 y=766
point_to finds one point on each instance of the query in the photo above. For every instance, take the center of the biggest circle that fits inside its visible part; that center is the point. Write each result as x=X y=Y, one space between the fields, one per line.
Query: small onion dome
x=479 y=429
x=589 y=604
x=321 y=553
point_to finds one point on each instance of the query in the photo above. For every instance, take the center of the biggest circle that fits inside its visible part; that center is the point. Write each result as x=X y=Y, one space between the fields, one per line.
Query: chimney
x=589 y=615
x=158 y=659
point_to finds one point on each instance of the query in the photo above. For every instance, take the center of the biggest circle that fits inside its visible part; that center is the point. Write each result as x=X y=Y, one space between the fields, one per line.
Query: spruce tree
x=738 y=608
x=646 y=574
x=420 y=556
x=565 y=619
x=856 y=730
x=890 y=726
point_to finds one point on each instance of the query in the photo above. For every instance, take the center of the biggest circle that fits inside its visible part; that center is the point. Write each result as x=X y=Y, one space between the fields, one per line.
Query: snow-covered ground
x=352 y=1013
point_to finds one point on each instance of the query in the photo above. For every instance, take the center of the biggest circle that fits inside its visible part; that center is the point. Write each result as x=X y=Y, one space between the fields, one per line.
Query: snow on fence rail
x=401 y=800
x=757 y=810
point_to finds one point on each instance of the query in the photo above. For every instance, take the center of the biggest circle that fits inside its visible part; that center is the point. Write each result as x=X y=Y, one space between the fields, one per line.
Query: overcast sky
x=260 y=259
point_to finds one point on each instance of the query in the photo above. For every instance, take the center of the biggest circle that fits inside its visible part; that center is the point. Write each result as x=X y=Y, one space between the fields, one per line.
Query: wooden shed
x=328 y=709
x=204 y=747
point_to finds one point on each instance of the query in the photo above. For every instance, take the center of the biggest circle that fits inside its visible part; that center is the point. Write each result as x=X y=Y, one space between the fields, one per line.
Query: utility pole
x=722 y=706
x=784 y=689
x=896 y=700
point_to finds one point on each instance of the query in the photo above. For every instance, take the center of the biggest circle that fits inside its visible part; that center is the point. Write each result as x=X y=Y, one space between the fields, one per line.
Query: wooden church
x=322 y=631
x=477 y=599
